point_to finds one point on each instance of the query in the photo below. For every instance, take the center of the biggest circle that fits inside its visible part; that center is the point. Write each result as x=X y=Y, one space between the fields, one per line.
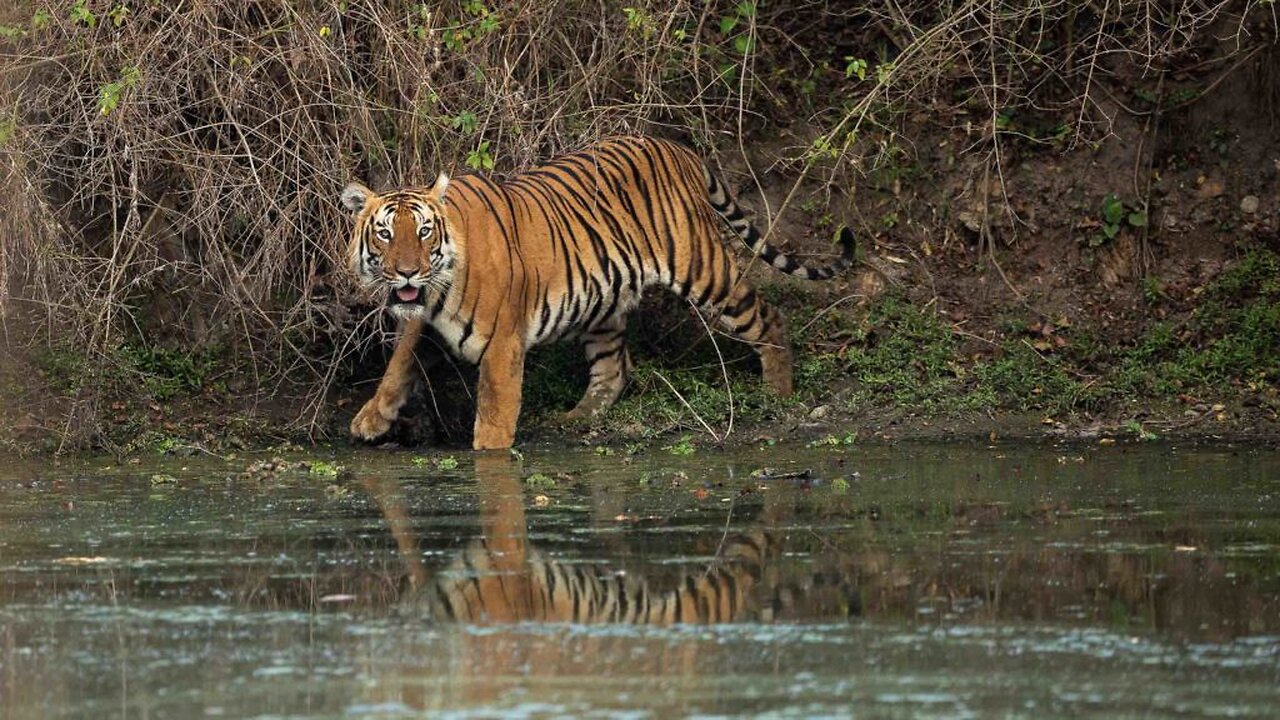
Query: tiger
x=501 y=577
x=562 y=250
x=480 y=586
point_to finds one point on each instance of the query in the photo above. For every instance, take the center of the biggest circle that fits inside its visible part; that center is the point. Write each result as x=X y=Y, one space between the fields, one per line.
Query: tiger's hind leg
x=606 y=352
x=749 y=318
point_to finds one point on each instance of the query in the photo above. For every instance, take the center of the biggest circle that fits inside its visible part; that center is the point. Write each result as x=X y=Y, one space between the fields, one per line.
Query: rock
x=819 y=412
x=1249 y=204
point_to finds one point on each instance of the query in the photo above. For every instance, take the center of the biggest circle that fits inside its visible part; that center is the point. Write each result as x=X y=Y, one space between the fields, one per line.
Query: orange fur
x=564 y=249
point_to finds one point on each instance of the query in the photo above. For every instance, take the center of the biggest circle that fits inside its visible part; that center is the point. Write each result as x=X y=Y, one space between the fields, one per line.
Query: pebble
x=819 y=412
x=1249 y=204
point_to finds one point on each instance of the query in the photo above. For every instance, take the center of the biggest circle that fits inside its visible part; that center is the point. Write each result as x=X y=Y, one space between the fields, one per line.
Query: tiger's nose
x=406 y=271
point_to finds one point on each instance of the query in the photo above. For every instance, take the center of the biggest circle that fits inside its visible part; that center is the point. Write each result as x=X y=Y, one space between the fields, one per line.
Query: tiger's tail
x=732 y=214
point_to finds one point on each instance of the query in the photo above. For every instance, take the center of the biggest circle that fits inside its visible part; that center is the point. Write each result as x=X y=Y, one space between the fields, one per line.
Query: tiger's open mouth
x=406 y=295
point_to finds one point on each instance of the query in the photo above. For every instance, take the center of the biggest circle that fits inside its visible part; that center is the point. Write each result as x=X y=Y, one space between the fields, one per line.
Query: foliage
x=164 y=372
x=540 y=481
x=903 y=353
x=683 y=446
x=446 y=462
x=1117 y=214
x=832 y=441
x=322 y=469
x=160 y=372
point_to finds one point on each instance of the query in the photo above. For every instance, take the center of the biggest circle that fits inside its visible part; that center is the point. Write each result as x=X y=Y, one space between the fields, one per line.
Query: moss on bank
x=895 y=356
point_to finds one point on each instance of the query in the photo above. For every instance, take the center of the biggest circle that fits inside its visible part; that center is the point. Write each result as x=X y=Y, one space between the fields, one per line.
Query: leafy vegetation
x=1116 y=214
x=160 y=372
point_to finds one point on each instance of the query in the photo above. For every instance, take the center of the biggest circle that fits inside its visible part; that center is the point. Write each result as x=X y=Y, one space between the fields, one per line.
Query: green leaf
x=1110 y=230
x=855 y=66
x=728 y=23
x=1138 y=219
x=743 y=44
x=465 y=121
x=479 y=158
x=8 y=128
x=81 y=14
x=1112 y=209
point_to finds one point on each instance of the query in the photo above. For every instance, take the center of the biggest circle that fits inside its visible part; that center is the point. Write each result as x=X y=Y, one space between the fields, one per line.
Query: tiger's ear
x=442 y=184
x=354 y=197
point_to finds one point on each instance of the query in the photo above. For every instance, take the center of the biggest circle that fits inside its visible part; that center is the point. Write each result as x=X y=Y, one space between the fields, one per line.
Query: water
x=901 y=581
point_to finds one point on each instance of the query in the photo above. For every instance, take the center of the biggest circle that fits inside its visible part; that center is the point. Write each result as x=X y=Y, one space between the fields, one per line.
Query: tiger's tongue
x=407 y=294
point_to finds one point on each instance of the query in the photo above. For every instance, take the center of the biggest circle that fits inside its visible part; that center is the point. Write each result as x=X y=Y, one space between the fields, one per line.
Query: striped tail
x=732 y=214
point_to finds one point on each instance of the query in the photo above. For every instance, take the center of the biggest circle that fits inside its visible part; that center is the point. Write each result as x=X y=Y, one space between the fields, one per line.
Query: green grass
x=161 y=373
x=1022 y=379
x=166 y=373
x=905 y=355
x=898 y=355
x=556 y=377
x=65 y=369
x=1229 y=339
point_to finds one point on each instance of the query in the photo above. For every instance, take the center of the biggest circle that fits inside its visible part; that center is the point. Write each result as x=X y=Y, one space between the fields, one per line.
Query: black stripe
x=466 y=333
x=597 y=357
x=691 y=587
x=733 y=595
x=621 y=609
x=745 y=303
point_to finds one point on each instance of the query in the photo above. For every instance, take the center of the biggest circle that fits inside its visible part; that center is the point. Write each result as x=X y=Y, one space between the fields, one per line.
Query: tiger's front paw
x=370 y=423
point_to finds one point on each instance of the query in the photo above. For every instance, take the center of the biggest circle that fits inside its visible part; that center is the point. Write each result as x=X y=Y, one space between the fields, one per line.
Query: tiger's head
x=402 y=242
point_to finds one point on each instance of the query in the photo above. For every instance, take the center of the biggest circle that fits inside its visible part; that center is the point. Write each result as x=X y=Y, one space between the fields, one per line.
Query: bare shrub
x=170 y=173
x=184 y=163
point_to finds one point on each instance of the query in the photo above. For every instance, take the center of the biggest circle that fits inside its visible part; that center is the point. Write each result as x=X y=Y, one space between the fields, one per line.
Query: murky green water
x=906 y=581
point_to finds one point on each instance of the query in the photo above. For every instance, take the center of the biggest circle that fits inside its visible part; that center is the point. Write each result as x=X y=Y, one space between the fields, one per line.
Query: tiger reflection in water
x=500 y=578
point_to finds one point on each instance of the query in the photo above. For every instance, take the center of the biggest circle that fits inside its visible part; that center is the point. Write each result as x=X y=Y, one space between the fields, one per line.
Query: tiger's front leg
x=498 y=395
x=375 y=418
